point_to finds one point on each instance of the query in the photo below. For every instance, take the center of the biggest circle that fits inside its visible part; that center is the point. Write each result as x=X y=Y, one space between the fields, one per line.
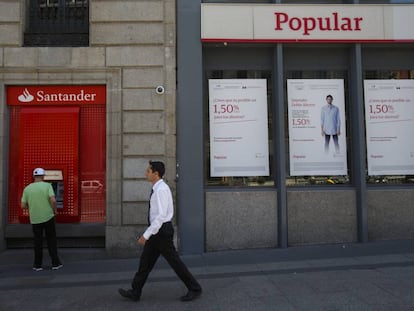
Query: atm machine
x=55 y=177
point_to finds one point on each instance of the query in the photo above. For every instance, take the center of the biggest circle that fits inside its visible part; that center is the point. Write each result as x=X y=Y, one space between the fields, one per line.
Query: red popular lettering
x=334 y=22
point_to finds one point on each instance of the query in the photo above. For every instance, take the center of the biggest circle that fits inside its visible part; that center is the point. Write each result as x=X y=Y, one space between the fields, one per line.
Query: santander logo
x=32 y=95
x=26 y=97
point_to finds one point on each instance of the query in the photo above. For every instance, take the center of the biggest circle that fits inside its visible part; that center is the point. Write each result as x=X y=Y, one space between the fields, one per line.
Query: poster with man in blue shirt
x=330 y=124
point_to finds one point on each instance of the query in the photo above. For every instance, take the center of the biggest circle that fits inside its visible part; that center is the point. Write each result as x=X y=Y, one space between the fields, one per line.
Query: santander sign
x=56 y=95
x=306 y=25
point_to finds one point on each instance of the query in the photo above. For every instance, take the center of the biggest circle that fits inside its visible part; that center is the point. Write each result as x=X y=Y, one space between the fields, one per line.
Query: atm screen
x=55 y=177
x=58 y=189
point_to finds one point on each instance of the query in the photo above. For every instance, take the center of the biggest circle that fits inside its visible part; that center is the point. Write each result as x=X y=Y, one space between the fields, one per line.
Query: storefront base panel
x=241 y=220
x=69 y=235
x=390 y=214
x=321 y=217
x=121 y=240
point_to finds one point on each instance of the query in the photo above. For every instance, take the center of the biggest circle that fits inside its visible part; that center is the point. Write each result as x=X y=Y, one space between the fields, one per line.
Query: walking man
x=158 y=239
x=39 y=198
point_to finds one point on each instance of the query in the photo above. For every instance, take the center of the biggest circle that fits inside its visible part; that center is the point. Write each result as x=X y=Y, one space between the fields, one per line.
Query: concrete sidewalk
x=368 y=276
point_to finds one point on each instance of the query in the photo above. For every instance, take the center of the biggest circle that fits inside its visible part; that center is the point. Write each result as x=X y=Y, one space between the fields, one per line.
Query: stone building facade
x=131 y=51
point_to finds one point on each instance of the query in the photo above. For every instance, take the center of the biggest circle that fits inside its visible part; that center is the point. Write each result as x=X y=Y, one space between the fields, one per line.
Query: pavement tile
x=284 y=265
x=259 y=286
x=361 y=279
x=232 y=268
x=391 y=258
x=333 y=262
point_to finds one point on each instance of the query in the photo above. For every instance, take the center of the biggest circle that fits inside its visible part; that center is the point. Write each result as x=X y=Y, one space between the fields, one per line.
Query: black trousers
x=50 y=230
x=162 y=244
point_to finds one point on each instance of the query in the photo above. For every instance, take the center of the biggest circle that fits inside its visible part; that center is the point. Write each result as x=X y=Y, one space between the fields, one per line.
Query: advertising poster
x=238 y=127
x=389 y=118
x=317 y=131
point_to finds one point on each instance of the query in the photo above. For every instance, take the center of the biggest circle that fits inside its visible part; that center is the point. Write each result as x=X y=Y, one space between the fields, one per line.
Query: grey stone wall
x=390 y=214
x=241 y=220
x=318 y=217
x=132 y=50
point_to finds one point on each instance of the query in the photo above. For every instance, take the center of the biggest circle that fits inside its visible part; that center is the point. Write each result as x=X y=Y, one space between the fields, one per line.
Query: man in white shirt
x=158 y=239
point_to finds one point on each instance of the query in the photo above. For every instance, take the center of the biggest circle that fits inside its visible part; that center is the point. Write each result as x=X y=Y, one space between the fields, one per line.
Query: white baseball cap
x=39 y=172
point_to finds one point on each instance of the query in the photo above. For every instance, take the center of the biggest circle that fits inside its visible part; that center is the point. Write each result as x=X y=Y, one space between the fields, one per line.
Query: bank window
x=317 y=1
x=317 y=129
x=389 y=126
x=238 y=128
x=237 y=1
x=385 y=1
x=57 y=23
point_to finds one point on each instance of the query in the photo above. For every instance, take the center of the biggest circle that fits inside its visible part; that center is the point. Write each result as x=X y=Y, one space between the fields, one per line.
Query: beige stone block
x=135 y=56
x=113 y=186
x=56 y=77
x=110 y=11
x=143 y=77
x=38 y=57
x=142 y=99
x=144 y=144
x=88 y=76
x=10 y=34
x=1 y=57
x=10 y=12
x=88 y=57
x=170 y=11
x=54 y=57
x=121 y=240
x=135 y=167
x=113 y=213
x=135 y=213
x=143 y=122
x=15 y=75
x=127 y=34
x=20 y=57
x=170 y=35
x=171 y=146
x=135 y=190
x=114 y=145
x=170 y=82
x=171 y=124
x=170 y=60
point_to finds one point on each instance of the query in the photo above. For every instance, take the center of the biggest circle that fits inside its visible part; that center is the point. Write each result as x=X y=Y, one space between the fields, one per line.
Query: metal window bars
x=57 y=23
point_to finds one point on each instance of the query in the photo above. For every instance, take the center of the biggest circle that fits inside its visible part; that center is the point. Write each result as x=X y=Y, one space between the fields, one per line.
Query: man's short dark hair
x=158 y=166
x=329 y=96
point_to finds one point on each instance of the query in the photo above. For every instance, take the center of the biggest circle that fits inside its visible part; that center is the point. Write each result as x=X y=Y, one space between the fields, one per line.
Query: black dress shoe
x=191 y=295
x=128 y=294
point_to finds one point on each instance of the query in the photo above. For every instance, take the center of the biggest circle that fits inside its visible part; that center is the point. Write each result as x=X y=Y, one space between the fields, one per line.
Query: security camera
x=159 y=89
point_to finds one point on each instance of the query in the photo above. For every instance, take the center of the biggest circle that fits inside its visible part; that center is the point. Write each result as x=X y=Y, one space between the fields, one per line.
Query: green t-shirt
x=37 y=195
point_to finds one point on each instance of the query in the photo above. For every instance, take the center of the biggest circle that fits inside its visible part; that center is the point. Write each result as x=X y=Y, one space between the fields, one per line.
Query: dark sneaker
x=191 y=295
x=57 y=267
x=37 y=268
x=128 y=294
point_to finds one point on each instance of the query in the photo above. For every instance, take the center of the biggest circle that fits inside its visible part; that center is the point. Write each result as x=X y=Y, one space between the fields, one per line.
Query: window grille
x=57 y=23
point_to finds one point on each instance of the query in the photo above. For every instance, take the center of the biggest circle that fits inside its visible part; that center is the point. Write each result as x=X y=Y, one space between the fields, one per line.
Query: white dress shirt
x=162 y=208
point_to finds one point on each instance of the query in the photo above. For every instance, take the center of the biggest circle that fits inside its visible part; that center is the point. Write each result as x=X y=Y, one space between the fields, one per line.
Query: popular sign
x=306 y=23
